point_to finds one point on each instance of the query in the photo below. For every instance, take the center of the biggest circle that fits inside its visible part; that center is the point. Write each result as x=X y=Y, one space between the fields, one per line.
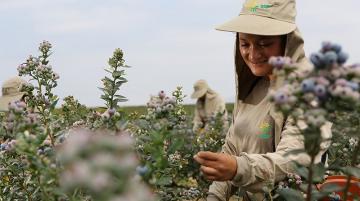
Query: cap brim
x=5 y=100
x=198 y=94
x=254 y=24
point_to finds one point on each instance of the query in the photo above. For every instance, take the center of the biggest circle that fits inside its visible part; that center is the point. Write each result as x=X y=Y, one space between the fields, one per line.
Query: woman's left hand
x=217 y=166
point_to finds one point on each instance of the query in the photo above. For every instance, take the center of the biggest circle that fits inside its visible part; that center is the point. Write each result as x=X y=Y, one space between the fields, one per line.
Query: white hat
x=263 y=17
x=11 y=92
x=200 y=89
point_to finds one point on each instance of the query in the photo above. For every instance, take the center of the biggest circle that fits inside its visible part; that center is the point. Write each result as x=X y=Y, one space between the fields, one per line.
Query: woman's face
x=256 y=51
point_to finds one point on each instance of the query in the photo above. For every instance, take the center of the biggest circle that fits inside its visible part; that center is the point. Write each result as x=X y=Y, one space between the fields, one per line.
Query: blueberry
x=47 y=150
x=341 y=82
x=353 y=85
x=326 y=46
x=279 y=62
x=330 y=58
x=308 y=85
x=342 y=57
x=142 y=170
x=40 y=152
x=317 y=59
x=62 y=139
x=111 y=111
x=3 y=146
x=280 y=98
x=336 y=47
x=320 y=90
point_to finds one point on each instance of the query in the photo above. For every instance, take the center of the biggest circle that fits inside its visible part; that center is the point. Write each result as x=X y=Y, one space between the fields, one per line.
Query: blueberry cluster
x=19 y=115
x=34 y=67
x=291 y=181
x=284 y=97
x=280 y=63
x=175 y=157
x=315 y=117
x=330 y=55
x=45 y=46
x=160 y=105
x=8 y=146
x=109 y=113
x=100 y=163
x=190 y=194
x=329 y=81
x=334 y=197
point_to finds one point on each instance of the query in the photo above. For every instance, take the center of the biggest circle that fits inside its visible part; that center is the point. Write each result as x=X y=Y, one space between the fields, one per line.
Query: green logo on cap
x=253 y=5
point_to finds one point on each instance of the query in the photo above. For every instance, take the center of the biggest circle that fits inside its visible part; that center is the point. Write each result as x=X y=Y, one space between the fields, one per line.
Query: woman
x=254 y=154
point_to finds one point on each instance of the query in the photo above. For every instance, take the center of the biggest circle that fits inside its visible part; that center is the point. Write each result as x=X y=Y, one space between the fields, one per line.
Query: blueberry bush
x=73 y=152
x=313 y=98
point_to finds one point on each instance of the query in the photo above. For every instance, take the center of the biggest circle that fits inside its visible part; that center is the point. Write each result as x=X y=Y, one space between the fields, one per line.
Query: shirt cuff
x=242 y=167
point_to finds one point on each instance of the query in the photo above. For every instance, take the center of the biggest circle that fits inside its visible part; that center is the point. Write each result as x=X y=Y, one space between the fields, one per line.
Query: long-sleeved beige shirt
x=251 y=138
x=211 y=106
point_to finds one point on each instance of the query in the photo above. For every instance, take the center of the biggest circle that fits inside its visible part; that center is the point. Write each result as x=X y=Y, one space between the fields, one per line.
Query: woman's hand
x=217 y=166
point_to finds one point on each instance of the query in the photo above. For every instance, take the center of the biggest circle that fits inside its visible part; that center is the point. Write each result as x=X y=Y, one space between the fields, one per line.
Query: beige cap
x=200 y=89
x=11 y=92
x=263 y=17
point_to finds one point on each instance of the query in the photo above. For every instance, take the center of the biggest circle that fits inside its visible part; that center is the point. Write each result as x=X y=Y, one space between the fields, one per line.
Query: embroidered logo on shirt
x=265 y=130
x=253 y=5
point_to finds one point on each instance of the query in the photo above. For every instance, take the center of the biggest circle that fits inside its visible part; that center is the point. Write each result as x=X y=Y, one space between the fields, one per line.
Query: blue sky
x=168 y=43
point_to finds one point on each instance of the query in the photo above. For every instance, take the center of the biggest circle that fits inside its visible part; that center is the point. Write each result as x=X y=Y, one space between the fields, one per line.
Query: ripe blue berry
x=330 y=58
x=308 y=85
x=326 y=46
x=142 y=170
x=342 y=57
x=317 y=59
x=3 y=146
x=320 y=90
x=353 y=85
x=280 y=98
x=336 y=47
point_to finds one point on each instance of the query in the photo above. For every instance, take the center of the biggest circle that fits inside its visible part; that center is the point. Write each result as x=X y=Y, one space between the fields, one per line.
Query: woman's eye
x=244 y=45
x=264 y=44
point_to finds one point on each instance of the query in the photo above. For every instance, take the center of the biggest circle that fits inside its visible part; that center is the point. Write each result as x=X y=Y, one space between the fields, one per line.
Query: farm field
x=72 y=152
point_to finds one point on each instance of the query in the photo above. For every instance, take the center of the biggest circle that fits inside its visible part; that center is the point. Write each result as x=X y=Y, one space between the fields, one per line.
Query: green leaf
x=107 y=79
x=116 y=74
x=101 y=88
x=354 y=171
x=118 y=85
x=336 y=165
x=108 y=70
x=163 y=181
x=302 y=171
x=291 y=195
x=52 y=106
x=105 y=97
x=318 y=173
x=120 y=99
x=120 y=96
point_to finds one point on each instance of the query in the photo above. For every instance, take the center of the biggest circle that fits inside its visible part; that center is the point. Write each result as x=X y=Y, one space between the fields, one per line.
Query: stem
x=113 y=91
x=25 y=187
x=41 y=186
x=353 y=163
x=310 y=178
